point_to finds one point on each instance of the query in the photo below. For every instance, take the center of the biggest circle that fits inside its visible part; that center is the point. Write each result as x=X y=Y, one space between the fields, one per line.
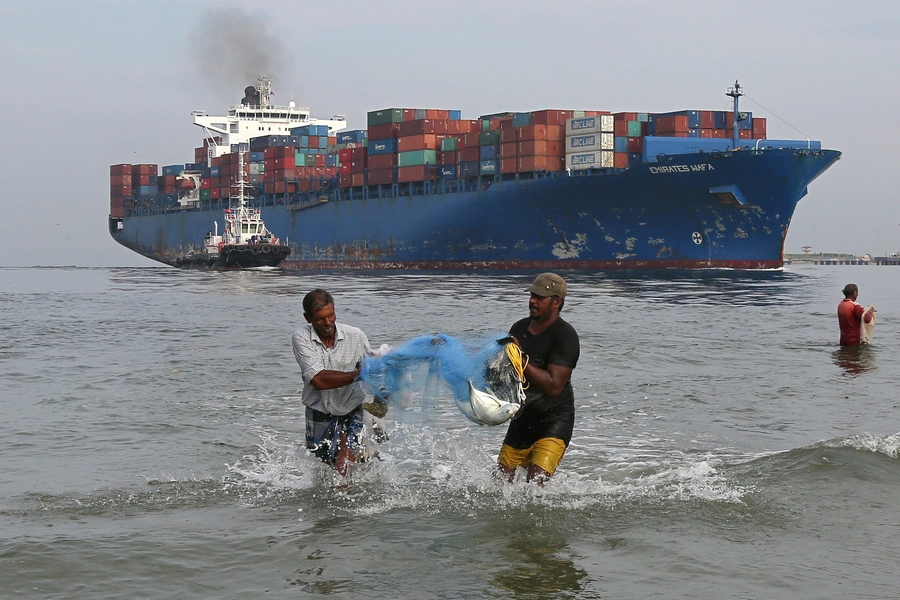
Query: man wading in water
x=540 y=432
x=330 y=356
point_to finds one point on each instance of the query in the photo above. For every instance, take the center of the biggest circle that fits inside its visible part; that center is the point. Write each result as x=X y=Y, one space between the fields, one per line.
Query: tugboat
x=245 y=243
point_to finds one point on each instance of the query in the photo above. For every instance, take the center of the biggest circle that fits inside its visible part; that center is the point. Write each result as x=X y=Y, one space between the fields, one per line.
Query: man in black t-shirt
x=540 y=432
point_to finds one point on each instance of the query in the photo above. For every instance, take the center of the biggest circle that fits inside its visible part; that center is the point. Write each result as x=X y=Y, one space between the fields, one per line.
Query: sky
x=90 y=83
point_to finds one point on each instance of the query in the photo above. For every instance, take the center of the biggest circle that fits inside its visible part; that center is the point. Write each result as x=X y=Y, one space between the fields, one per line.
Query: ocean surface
x=151 y=442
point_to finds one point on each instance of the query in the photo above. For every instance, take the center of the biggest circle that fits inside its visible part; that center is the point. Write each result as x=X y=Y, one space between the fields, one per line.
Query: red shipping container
x=117 y=212
x=215 y=193
x=720 y=133
x=383 y=132
x=508 y=151
x=533 y=148
x=345 y=180
x=527 y=164
x=449 y=158
x=345 y=155
x=437 y=113
x=509 y=134
x=303 y=185
x=320 y=160
x=381 y=176
x=359 y=153
x=269 y=187
x=382 y=161
x=313 y=142
x=269 y=152
x=409 y=114
x=470 y=153
x=423 y=126
x=759 y=127
x=669 y=124
x=332 y=140
x=417 y=142
x=119 y=191
x=620 y=160
x=123 y=169
x=284 y=162
x=416 y=173
x=706 y=133
x=344 y=169
x=636 y=144
x=358 y=179
x=625 y=116
x=707 y=119
x=509 y=165
x=550 y=117
x=470 y=139
x=280 y=187
x=506 y=123
x=123 y=179
x=745 y=134
x=533 y=132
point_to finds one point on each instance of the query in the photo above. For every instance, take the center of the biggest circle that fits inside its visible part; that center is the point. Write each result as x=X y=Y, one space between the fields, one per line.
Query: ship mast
x=735 y=92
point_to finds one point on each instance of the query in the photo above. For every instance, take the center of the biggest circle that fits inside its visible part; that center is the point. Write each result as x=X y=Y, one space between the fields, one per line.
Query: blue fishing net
x=426 y=370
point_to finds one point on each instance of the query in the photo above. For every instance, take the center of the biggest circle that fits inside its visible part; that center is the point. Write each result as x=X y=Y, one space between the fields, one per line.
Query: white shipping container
x=601 y=159
x=596 y=124
x=590 y=141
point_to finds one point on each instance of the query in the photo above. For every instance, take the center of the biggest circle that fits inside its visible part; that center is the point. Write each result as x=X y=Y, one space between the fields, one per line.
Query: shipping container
x=385 y=146
x=594 y=124
x=590 y=160
x=384 y=116
x=413 y=173
x=381 y=161
x=590 y=142
x=416 y=158
x=381 y=176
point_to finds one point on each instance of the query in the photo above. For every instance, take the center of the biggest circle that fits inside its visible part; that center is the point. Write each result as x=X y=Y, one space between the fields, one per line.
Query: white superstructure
x=255 y=116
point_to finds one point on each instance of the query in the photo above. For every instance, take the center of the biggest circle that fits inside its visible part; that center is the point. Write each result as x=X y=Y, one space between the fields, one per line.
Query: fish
x=489 y=409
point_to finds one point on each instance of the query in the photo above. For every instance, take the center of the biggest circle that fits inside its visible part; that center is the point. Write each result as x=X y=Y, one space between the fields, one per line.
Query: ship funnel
x=251 y=96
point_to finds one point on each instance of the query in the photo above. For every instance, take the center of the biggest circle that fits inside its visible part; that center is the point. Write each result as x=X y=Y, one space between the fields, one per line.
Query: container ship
x=428 y=189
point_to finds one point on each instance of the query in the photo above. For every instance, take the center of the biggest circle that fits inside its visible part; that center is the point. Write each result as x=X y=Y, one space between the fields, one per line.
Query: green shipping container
x=415 y=158
x=385 y=115
x=489 y=138
x=634 y=129
x=204 y=194
x=448 y=144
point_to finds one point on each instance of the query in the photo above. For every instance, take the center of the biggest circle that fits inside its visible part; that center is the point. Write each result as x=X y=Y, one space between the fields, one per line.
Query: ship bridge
x=256 y=117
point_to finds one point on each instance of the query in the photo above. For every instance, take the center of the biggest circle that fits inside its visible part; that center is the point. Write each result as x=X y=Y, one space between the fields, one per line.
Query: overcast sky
x=94 y=83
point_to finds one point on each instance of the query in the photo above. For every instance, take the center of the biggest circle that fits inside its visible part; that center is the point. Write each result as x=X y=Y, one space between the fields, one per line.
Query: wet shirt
x=544 y=415
x=350 y=347
x=849 y=314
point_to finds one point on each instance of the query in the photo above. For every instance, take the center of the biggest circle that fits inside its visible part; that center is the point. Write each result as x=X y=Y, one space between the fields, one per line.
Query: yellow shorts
x=545 y=453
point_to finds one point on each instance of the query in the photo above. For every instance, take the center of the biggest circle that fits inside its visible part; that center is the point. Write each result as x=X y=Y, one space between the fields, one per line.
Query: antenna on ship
x=735 y=92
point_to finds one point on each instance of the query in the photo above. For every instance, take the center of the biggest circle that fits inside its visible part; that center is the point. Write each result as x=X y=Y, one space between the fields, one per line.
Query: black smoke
x=233 y=48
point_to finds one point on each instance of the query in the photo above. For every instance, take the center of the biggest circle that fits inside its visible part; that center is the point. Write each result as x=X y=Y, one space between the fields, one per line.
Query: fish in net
x=480 y=376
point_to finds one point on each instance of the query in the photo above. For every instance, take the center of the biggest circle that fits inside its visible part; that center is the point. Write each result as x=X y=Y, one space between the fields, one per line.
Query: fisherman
x=850 y=316
x=330 y=356
x=540 y=432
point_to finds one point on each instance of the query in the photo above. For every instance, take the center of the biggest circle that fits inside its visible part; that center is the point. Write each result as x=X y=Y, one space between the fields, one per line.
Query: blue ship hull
x=703 y=210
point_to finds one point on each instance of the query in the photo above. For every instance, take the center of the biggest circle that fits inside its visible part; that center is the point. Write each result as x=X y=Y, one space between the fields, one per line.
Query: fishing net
x=426 y=369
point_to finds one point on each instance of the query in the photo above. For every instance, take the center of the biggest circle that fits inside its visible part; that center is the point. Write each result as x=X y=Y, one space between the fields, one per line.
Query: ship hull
x=712 y=210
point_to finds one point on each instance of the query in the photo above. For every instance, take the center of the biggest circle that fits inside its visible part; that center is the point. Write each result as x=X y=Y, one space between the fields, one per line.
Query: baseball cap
x=548 y=284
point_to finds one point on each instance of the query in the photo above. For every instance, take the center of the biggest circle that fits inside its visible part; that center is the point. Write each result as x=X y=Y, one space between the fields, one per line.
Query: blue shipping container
x=489 y=152
x=388 y=146
x=489 y=167
x=351 y=137
x=470 y=168
x=448 y=172
x=172 y=169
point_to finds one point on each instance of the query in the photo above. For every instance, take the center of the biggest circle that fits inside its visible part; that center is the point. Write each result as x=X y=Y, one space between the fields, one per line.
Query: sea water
x=725 y=446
